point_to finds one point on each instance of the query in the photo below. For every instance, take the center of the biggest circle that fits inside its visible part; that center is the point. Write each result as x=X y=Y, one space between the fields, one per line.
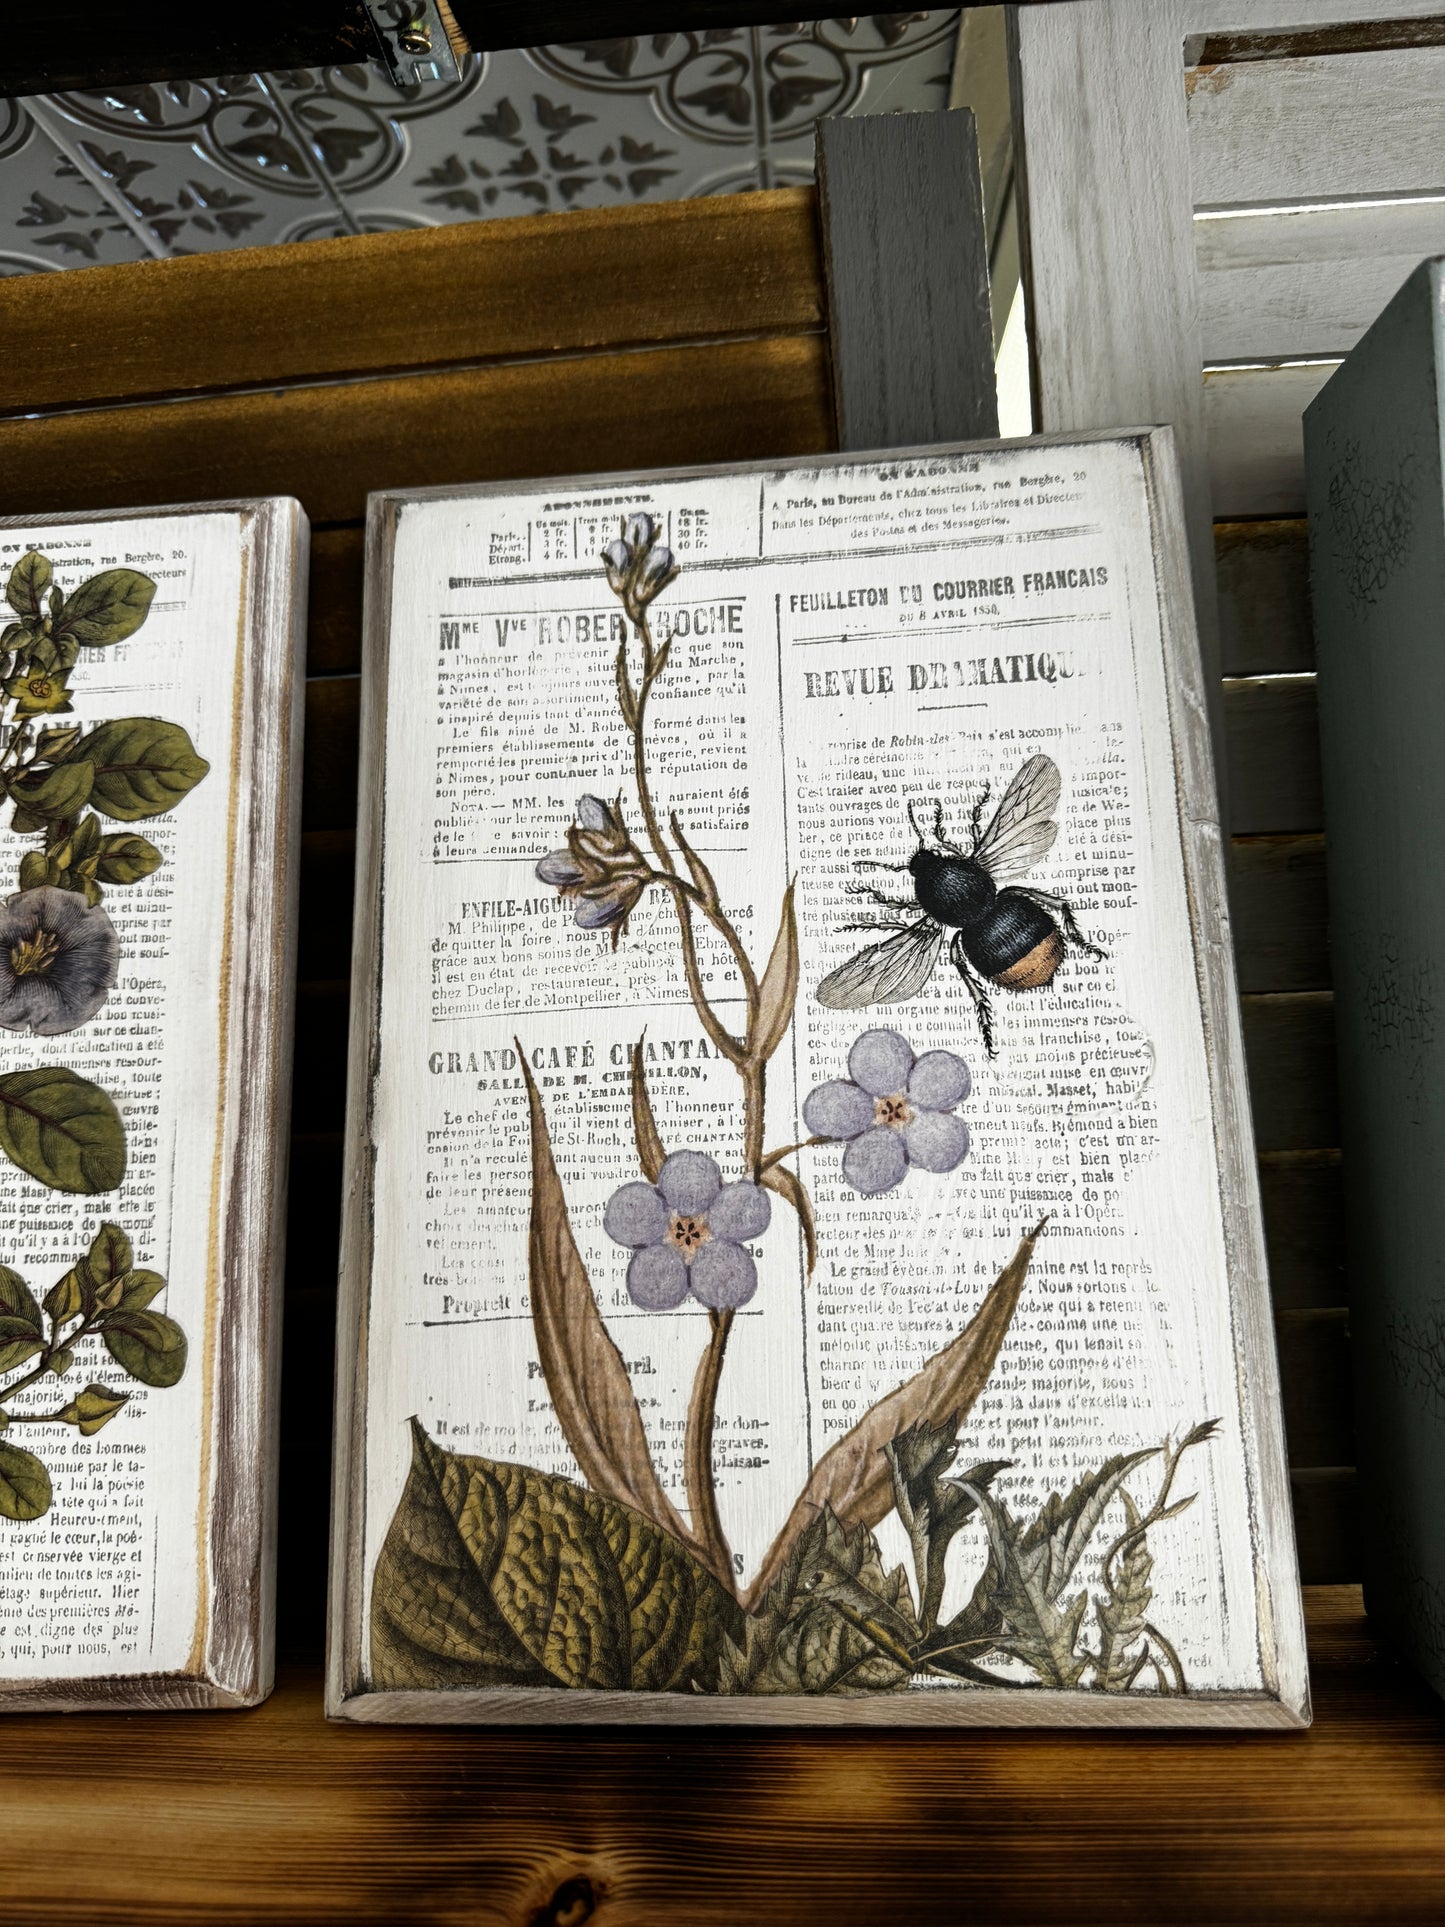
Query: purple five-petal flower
x=892 y=1110
x=686 y=1235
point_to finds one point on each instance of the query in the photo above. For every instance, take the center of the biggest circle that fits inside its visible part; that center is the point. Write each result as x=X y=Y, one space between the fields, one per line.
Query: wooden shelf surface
x=274 y=1816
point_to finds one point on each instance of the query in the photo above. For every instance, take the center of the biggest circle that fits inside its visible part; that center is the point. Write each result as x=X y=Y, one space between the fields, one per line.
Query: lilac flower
x=686 y=1235
x=638 y=566
x=601 y=870
x=893 y=1110
x=58 y=961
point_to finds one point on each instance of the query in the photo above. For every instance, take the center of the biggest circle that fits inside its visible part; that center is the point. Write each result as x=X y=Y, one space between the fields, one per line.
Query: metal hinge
x=413 y=42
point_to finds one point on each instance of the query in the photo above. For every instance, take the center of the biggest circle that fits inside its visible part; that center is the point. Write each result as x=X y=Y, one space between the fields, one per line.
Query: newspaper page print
x=122 y=646
x=838 y=803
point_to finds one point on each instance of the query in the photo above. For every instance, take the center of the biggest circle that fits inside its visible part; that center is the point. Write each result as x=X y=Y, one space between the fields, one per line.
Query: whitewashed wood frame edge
x=1286 y=1705
x=238 y=1666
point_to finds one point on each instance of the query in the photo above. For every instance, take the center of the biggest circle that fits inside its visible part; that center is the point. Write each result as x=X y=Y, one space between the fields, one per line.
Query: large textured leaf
x=833 y=1622
x=497 y=1575
x=107 y=608
x=1122 y=1613
x=778 y=991
x=853 y=1476
x=933 y=1508
x=142 y=767
x=591 y=1392
x=1039 y=1627
x=61 y=791
x=17 y=1300
x=61 y=1129
x=24 y=1483
x=29 y=579
x=147 y=1344
x=1065 y=1526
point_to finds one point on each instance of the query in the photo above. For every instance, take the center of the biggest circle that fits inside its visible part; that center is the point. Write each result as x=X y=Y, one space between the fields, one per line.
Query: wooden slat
x=1289 y=1045
x=1279 y=911
x=275 y=1817
x=328 y=771
x=1315 y=1382
x=1105 y=212
x=1306 y=281
x=1273 y=16
x=723 y=265
x=1272 y=131
x=328 y=864
x=318 y=1091
x=1263 y=569
x=1256 y=445
x=331 y=444
x=1304 y=1228
x=910 y=333
x=1326 y=1503
x=1272 y=744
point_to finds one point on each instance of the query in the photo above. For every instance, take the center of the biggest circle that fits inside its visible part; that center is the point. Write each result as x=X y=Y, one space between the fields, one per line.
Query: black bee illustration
x=1003 y=933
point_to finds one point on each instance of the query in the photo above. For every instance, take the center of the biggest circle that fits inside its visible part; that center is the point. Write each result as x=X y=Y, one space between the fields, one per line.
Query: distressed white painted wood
x=1270 y=16
x=1106 y=213
x=1256 y=443
x=1312 y=128
x=1306 y=280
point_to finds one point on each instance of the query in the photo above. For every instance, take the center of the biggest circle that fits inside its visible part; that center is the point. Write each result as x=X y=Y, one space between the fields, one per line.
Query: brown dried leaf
x=650 y=1153
x=790 y=1187
x=853 y=1476
x=778 y=992
x=591 y=1392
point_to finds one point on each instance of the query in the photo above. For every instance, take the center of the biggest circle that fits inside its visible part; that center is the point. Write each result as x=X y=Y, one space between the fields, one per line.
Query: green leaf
x=62 y=790
x=17 y=1300
x=17 y=1343
x=833 y=1623
x=24 y=1484
x=147 y=1344
x=110 y=1254
x=498 y=1575
x=126 y=859
x=66 y=1297
x=1122 y=1616
x=62 y=1130
x=1065 y=1526
x=139 y=1288
x=932 y=1507
x=96 y=1406
x=60 y=1362
x=107 y=608
x=34 y=871
x=1038 y=1627
x=25 y=822
x=54 y=745
x=142 y=767
x=29 y=579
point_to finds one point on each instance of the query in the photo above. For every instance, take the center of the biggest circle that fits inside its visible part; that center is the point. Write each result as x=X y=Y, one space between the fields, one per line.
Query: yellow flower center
x=39 y=687
x=895 y=1111
x=689 y=1234
x=34 y=955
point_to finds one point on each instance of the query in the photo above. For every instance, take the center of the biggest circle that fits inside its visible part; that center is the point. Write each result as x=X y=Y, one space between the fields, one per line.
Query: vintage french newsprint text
x=133 y=1380
x=802 y=1257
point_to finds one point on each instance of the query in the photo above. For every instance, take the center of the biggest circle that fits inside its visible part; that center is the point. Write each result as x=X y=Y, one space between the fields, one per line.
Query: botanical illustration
x=59 y=952
x=59 y=960
x=497 y=1574
x=1004 y=931
x=103 y=1295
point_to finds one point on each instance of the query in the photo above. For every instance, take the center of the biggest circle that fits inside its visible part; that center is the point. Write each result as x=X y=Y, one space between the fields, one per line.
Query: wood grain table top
x=275 y=1816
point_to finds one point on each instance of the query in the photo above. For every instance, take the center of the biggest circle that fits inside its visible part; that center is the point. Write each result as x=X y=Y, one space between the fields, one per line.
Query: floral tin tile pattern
x=183 y=167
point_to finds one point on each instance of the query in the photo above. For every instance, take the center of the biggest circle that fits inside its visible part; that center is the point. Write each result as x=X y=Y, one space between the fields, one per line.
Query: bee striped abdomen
x=1018 y=944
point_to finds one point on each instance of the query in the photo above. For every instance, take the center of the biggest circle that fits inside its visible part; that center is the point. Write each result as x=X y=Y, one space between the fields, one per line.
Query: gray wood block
x=1377 y=531
x=906 y=253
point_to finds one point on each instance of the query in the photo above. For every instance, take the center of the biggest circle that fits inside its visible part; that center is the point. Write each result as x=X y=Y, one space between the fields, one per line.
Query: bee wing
x=1023 y=829
x=885 y=973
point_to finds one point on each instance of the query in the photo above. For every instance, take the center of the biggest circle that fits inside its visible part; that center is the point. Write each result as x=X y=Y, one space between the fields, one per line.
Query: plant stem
x=697 y=1453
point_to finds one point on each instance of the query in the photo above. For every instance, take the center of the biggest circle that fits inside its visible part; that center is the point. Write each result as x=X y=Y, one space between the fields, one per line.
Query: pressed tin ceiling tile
x=188 y=166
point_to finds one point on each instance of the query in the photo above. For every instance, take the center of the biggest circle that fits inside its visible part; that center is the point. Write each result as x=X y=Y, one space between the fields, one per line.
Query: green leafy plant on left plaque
x=59 y=952
x=104 y=1295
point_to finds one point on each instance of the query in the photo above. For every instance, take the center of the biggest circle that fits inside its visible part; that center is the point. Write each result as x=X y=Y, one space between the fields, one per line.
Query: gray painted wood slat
x=906 y=256
x=1265 y=625
x=1273 y=750
x=1318 y=128
x=1256 y=443
x=1279 y=910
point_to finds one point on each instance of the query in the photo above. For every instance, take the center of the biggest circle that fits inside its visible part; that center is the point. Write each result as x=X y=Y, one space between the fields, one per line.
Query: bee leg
x=868 y=863
x=1065 y=916
x=975 y=818
x=882 y=899
x=939 y=835
x=982 y=1008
